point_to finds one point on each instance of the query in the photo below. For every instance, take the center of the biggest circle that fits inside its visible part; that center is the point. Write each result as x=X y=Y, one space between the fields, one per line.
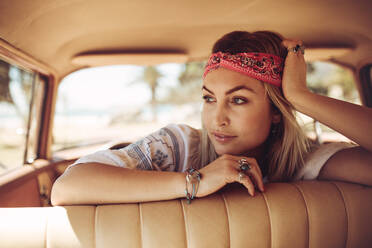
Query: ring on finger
x=241 y=175
x=297 y=48
x=244 y=165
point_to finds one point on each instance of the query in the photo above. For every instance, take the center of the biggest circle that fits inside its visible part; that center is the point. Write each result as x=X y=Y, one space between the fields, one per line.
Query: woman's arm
x=351 y=165
x=354 y=121
x=95 y=183
x=349 y=119
x=130 y=174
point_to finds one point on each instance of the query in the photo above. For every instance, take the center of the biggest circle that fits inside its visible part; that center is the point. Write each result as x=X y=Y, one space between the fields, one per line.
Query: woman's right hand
x=225 y=170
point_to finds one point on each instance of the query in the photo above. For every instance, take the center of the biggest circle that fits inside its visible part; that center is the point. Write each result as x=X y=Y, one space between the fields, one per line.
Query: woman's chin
x=232 y=149
x=227 y=150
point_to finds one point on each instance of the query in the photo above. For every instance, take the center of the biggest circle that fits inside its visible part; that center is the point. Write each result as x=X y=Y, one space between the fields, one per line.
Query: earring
x=274 y=129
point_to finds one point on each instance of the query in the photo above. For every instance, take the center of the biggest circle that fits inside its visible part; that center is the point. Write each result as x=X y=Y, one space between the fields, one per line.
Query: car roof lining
x=67 y=30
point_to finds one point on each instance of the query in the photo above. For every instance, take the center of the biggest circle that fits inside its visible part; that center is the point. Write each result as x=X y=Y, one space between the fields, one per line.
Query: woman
x=252 y=84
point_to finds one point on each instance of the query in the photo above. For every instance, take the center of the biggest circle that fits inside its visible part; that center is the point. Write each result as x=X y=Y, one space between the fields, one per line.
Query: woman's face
x=236 y=112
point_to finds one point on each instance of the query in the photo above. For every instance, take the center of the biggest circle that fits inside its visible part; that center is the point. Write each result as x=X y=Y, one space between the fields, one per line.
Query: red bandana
x=262 y=66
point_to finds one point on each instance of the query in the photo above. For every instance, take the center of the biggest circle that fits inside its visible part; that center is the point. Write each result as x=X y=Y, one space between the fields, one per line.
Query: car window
x=19 y=111
x=124 y=103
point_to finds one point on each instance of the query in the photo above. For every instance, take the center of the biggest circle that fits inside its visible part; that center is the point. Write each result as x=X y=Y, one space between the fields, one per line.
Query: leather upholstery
x=300 y=214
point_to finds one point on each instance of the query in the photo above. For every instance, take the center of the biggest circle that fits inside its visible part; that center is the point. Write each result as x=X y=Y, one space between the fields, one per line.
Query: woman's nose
x=221 y=116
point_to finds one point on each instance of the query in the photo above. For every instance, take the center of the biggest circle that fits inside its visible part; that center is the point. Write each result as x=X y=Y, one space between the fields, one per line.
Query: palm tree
x=189 y=87
x=4 y=83
x=151 y=76
x=24 y=78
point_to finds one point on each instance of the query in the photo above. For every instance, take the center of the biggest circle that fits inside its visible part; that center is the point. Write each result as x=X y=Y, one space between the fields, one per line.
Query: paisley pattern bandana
x=261 y=66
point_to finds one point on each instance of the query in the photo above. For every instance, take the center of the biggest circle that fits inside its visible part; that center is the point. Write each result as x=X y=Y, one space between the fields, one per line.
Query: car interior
x=58 y=64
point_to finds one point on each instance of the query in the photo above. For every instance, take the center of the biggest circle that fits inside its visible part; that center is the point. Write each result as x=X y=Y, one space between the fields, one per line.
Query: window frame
x=365 y=79
x=23 y=61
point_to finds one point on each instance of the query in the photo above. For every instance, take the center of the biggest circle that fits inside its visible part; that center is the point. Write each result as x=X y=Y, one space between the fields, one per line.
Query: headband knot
x=262 y=66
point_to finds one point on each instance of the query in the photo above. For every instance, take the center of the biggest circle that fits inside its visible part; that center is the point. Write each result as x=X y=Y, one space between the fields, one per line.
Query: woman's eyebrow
x=240 y=87
x=205 y=88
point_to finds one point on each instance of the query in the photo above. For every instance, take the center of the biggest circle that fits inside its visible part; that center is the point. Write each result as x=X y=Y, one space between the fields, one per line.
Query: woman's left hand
x=294 y=74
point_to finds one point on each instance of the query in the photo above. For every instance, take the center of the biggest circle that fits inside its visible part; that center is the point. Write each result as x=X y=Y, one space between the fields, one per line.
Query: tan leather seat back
x=301 y=214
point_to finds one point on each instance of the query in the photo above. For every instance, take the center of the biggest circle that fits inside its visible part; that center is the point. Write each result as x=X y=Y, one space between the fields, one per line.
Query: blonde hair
x=287 y=144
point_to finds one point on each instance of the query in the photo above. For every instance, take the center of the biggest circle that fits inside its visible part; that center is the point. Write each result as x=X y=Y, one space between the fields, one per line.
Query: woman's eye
x=208 y=99
x=239 y=100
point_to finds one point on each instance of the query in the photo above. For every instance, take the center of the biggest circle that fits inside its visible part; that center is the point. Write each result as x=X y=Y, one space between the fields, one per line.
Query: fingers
x=254 y=174
x=292 y=43
x=289 y=43
x=246 y=181
x=252 y=177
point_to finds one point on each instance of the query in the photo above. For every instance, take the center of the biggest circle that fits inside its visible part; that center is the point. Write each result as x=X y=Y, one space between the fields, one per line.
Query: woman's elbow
x=62 y=189
x=59 y=192
x=56 y=196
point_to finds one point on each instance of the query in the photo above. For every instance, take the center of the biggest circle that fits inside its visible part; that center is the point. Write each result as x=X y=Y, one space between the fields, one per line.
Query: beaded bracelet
x=193 y=176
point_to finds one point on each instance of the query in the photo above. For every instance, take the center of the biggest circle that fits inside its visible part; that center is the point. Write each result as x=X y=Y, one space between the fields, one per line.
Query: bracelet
x=193 y=176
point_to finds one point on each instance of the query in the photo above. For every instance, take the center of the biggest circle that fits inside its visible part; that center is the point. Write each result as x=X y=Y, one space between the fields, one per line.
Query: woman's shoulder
x=318 y=156
x=190 y=136
x=325 y=150
x=191 y=139
x=183 y=129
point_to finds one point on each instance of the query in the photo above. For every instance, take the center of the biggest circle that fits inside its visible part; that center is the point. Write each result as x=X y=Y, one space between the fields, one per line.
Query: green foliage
x=5 y=95
x=323 y=77
x=13 y=76
x=188 y=89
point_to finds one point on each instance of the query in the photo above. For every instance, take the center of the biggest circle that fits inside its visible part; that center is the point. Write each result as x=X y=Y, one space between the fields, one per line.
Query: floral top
x=174 y=147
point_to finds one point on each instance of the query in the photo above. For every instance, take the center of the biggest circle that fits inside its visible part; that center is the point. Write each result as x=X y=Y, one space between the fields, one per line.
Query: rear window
x=116 y=104
x=101 y=106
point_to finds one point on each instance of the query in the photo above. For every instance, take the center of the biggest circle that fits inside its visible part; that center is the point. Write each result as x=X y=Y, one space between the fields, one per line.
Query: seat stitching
x=95 y=227
x=46 y=230
x=141 y=223
x=347 y=214
x=227 y=216
x=307 y=212
x=268 y=213
x=185 y=223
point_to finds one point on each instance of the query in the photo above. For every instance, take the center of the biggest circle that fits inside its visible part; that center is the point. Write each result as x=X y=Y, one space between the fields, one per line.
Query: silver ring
x=297 y=48
x=241 y=176
x=244 y=165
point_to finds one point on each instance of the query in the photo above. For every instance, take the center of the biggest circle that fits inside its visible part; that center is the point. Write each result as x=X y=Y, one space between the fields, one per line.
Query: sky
x=111 y=86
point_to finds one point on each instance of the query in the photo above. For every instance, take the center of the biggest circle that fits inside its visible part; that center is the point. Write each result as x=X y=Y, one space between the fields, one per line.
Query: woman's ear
x=276 y=114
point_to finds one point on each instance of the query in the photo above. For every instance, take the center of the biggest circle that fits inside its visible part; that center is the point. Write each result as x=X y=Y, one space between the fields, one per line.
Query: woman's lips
x=223 y=138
